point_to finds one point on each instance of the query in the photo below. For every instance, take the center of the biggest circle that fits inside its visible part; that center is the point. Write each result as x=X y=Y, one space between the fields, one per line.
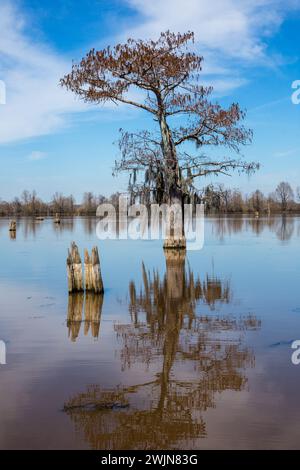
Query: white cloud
x=35 y=103
x=37 y=155
x=286 y=153
x=225 y=85
x=236 y=28
x=230 y=34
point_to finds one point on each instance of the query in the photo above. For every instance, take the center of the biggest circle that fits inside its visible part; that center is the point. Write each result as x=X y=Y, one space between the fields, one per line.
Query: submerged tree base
x=172 y=243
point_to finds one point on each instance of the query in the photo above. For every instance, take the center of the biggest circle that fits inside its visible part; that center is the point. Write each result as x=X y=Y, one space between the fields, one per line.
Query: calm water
x=181 y=352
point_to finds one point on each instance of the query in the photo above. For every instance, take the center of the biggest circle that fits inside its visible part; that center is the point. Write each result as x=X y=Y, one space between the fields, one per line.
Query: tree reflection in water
x=282 y=226
x=195 y=356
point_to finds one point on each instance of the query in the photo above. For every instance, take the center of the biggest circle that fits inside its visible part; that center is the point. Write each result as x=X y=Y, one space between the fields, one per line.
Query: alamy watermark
x=296 y=94
x=296 y=354
x=2 y=353
x=2 y=92
x=152 y=222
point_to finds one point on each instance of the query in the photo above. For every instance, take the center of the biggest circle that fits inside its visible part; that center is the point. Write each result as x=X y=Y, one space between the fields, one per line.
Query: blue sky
x=49 y=141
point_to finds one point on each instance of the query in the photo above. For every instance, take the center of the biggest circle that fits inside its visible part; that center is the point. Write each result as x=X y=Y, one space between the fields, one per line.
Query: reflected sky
x=190 y=351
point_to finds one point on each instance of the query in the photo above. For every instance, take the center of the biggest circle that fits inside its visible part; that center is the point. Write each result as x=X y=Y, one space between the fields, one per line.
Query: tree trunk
x=175 y=239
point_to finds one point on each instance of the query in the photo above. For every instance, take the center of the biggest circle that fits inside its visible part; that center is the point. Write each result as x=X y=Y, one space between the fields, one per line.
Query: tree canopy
x=168 y=74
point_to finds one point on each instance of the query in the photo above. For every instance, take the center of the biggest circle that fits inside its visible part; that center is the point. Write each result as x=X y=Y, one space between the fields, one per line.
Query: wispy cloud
x=270 y=104
x=230 y=34
x=287 y=153
x=35 y=104
x=224 y=85
x=237 y=28
x=225 y=30
x=37 y=155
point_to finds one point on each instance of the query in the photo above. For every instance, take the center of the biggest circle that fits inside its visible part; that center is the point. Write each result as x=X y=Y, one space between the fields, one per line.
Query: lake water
x=181 y=352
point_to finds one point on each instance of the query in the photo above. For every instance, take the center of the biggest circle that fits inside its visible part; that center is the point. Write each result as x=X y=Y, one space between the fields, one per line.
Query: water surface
x=184 y=352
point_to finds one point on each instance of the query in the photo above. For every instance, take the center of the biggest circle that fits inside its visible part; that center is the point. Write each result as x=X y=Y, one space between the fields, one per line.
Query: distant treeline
x=218 y=199
x=223 y=200
x=30 y=204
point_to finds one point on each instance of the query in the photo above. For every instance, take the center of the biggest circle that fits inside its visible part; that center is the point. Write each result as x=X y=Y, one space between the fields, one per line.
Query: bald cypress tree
x=163 y=166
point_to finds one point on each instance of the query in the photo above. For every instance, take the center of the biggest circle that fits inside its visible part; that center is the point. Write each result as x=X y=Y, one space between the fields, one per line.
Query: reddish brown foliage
x=168 y=74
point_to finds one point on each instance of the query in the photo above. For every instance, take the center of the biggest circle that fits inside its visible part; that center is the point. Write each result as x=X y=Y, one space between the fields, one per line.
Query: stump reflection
x=92 y=304
x=187 y=358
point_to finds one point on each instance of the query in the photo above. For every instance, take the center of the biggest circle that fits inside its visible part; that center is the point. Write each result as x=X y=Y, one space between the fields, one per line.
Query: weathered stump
x=74 y=270
x=96 y=273
x=93 y=278
x=57 y=219
x=88 y=272
x=12 y=226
